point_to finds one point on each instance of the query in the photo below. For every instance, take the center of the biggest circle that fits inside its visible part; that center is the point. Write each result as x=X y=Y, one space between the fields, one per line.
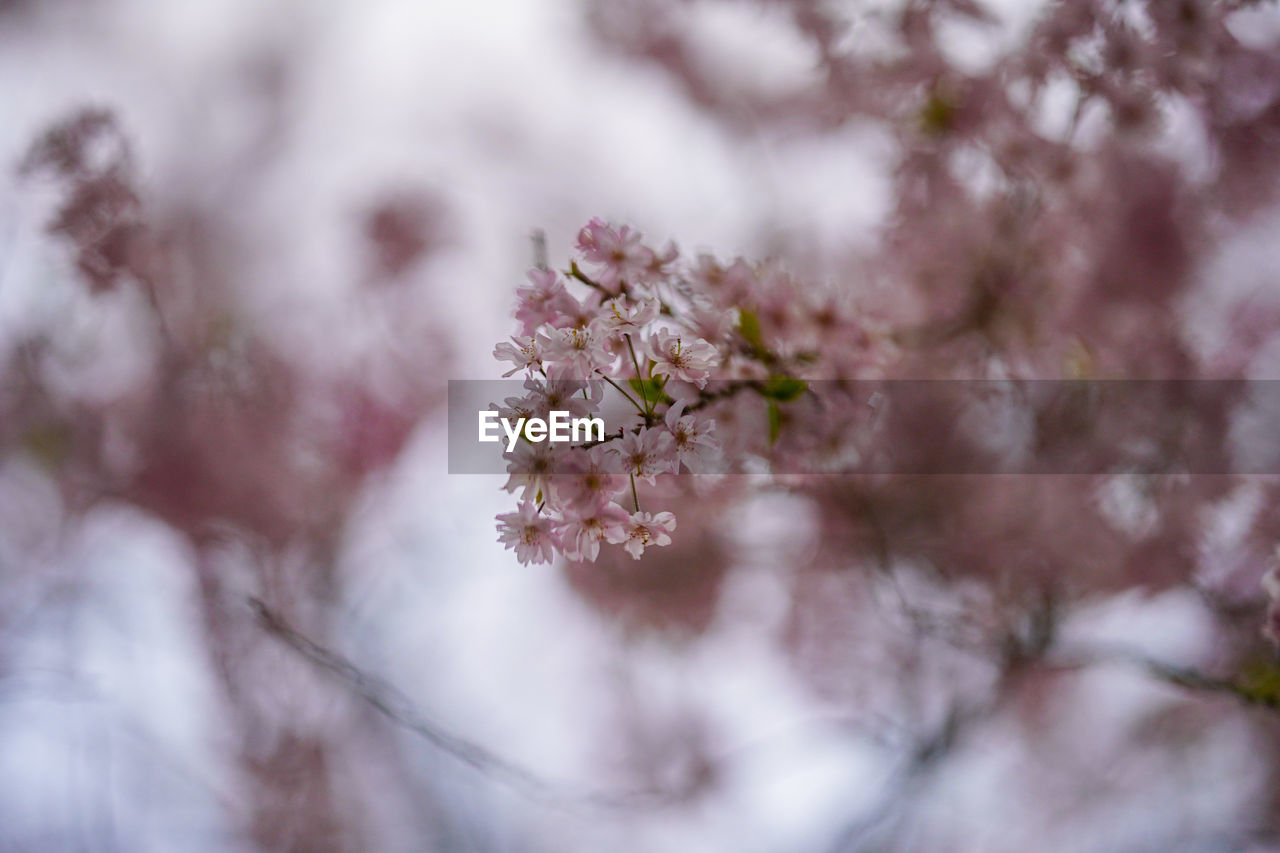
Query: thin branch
x=394 y=706
x=625 y=394
x=1185 y=677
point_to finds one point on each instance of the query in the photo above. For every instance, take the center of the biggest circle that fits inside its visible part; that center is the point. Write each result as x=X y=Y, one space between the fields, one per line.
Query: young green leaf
x=784 y=389
x=749 y=327
x=650 y=389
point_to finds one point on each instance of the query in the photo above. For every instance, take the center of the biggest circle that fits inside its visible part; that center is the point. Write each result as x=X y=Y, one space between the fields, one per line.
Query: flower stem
x=630 y=399
x=574 y=272
x=639 y=377
x=634 y=496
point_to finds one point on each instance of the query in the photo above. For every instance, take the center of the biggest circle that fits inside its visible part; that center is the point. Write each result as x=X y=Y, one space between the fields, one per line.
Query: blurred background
x=243 y=605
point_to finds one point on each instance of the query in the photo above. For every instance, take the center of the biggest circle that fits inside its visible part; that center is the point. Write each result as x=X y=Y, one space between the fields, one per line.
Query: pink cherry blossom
x=529 y=532
x=550 y=395
x=570 y=312
x=646 y=454
x=643 y=530
x=539 y=300
x=682 y=357
x=694 y=446
x=529 y=468
x=515 y=408
x=710 y=322
x=581 y=535
x=728 y=284
x=617 y=254
x=629 y=315
x=575 y=353
x=521 y=351
x=660 y=262
x=587 y=478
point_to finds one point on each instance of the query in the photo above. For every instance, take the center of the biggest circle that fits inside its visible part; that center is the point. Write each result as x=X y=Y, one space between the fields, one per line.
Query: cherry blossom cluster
x=627 y=329
x=675 y=343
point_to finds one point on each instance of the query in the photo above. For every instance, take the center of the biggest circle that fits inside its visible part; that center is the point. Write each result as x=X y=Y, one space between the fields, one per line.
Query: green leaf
x=938 y=116
x=1259 y=681
x=775 y=421
x=749 y=327
x=650 y=389
x=49 y=443
x=784 y=389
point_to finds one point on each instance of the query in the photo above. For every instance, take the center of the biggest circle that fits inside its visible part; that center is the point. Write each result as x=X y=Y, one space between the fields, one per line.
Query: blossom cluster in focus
x=641 y=324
